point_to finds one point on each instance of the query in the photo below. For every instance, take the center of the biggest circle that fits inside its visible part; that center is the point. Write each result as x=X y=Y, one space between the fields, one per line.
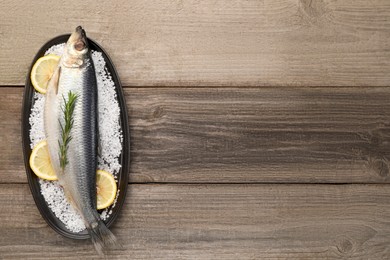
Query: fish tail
x=102 y=237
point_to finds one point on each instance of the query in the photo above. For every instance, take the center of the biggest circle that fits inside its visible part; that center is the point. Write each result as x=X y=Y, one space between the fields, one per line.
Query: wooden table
x=259 y=129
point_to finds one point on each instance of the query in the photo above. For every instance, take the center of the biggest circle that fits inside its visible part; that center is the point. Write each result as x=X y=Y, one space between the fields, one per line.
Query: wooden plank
x=235 y=135
x=11 y=153
x=218 y=222
x=213 y=43
x=260 y=135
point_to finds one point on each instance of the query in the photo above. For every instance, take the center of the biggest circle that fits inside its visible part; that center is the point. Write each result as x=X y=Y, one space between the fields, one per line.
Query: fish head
x=76 y=49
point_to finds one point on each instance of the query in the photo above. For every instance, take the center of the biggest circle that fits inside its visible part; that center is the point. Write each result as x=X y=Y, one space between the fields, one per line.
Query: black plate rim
x=40 y=202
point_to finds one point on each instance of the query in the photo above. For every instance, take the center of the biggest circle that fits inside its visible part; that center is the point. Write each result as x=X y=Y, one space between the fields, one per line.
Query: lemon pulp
x=40 y=162
x=42 y=71
x=106 y=189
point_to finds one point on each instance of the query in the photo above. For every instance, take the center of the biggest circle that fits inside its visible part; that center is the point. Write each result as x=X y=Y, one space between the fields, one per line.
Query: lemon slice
x=106 y=189
x=40 y=162
x=42 y=71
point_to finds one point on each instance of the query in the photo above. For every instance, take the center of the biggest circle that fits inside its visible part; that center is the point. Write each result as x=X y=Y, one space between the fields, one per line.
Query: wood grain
x=212 y=43
x=212 y=135
x=218 y=222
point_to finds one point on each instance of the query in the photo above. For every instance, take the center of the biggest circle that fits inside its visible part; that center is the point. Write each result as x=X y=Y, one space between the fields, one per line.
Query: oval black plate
x=33 y=180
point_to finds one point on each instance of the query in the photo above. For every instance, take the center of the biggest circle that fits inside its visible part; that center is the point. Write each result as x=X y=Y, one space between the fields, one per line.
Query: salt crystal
x=110 y=135
x=56 y=49
x=37 y=132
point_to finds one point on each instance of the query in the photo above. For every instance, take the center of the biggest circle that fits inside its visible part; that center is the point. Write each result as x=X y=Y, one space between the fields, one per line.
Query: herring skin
x=76 y=74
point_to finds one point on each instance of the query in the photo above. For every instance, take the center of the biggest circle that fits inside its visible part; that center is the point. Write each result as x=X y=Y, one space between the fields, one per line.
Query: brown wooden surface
x=208 y=135
x=229 y=43
x=218 y=222
x=259 y=129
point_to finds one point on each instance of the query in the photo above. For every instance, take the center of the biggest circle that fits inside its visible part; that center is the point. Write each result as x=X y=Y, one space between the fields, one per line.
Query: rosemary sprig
x=67 y=109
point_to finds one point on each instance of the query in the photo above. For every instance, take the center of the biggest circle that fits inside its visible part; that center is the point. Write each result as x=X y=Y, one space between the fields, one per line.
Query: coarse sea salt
x=110 y=135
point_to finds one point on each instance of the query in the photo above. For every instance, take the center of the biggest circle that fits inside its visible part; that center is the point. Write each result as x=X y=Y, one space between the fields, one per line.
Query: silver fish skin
x=76 y=74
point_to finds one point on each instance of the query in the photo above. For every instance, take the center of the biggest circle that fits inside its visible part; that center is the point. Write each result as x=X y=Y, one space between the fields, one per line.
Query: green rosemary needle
x=67 y=109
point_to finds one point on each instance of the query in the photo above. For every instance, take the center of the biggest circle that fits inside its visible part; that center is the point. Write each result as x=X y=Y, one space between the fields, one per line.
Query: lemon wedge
x=40 y=162
x=42 y=71
x=106 y=189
